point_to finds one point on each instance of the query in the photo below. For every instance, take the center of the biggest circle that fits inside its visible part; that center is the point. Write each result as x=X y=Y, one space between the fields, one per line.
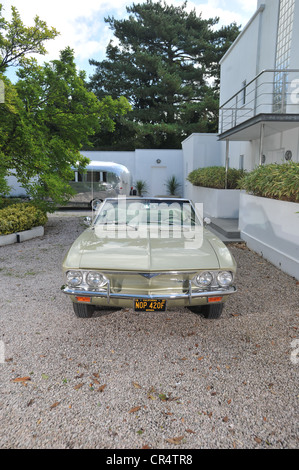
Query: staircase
x=226 y=229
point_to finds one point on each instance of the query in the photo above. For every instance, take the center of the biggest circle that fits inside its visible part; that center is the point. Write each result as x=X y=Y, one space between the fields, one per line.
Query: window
x=93 y=176
x=283 y=48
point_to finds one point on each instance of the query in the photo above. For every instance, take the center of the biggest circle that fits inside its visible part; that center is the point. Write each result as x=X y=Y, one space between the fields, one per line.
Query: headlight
x=74 y=278
x=96 y=279
x=203 y=279
x=225 y=278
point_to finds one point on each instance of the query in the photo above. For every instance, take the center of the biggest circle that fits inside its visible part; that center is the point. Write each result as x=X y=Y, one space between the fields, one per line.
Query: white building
x=259 y=92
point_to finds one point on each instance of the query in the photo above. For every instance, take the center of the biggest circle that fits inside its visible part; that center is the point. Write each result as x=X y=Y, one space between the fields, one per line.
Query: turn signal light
x=214 y=299
x=83 y=299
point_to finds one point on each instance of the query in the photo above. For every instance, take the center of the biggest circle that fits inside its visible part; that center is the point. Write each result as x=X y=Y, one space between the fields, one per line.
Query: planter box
x=271 y=228
x=218 y=203
x=21 y=236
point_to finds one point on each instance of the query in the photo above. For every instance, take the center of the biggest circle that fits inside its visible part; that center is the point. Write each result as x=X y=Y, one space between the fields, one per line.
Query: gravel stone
x=126 y=380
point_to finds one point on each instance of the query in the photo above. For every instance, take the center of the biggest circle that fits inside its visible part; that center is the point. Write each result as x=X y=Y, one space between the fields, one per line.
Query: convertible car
x=149 y=254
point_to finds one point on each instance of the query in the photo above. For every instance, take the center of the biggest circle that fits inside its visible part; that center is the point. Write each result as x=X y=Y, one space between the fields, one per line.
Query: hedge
x=20 y=217
x=275 y=181
x=214 y=177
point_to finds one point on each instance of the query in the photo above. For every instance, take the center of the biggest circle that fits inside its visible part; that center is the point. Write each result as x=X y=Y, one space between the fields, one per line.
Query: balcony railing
x=272 y=91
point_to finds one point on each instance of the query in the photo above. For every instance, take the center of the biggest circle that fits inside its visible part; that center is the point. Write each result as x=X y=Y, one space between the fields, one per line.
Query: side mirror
x=206 y=221
x=87 y=221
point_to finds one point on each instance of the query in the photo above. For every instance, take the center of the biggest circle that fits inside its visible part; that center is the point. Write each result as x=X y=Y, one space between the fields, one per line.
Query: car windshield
x=136 y=212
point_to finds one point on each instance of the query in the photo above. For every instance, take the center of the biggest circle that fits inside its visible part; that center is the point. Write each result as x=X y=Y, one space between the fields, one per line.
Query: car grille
x=149 y=283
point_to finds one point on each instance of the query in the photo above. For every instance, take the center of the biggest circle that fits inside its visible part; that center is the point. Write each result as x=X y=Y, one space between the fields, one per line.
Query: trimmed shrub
x=214 y=177
x=20 y=217
x=275 y=181
x=9 y=201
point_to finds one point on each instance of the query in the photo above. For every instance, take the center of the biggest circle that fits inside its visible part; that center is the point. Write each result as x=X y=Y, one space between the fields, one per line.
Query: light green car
x=149 y=255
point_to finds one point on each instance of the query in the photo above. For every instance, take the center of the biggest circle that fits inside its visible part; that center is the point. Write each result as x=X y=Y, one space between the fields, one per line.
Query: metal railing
x=274 y=91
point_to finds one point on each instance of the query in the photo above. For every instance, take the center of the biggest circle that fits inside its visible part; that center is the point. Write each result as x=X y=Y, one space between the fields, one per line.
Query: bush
x=20 y=217
x=173 y=186
x=275 y=181
x=9 y=201
x=214 y=177
x=141 y=187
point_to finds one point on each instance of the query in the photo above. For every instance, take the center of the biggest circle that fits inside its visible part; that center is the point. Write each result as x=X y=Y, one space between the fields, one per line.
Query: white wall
x=253 y=51
x=240 y=155
x=276 y=145
x=143 y=165
x=156 y=174
x=16 y=189
x=200 y=150
x=274 y=149
x=270 y=227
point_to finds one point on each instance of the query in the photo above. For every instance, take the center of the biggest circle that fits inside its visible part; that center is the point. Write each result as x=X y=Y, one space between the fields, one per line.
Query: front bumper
x=190 y=297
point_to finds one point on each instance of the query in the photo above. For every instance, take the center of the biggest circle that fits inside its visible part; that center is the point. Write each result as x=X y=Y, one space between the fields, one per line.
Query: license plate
x=145 y=305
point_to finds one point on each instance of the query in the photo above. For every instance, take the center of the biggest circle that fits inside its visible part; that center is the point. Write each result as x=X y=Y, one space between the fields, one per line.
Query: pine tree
x=166 y=64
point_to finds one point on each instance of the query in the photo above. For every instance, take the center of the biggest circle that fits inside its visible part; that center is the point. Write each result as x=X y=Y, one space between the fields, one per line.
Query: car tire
x=208 y=311
x=212 y=312
x=83 y=310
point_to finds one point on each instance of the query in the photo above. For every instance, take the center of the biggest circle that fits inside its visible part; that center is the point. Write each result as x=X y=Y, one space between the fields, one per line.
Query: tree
x=166 y=65
x=17 y=40
x=45 y=121
x=47 y=116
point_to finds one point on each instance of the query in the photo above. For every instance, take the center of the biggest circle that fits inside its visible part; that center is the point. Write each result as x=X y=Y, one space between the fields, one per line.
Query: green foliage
x=46 y=119
x=173 y=186
x=48 y=116
x=141 y=187
x=9 y=201
x=276 y=181
x=19 y=217
x=17 y=40
x=215 y=177
x=164 y=62
x=4 y=188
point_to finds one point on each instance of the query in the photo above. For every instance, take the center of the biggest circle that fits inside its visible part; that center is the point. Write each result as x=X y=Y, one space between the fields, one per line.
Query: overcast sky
x=82 y=27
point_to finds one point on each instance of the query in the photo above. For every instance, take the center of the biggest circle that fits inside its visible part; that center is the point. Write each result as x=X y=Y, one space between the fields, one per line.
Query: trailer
x=98 y=181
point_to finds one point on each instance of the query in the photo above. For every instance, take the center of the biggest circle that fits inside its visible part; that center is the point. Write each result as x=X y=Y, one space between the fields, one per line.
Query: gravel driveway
x=126 y=380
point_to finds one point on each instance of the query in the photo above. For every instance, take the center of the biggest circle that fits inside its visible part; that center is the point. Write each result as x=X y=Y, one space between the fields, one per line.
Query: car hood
x=146 y=253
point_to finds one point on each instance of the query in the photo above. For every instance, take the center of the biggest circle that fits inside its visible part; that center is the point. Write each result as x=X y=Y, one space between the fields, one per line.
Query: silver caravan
x=99 y=181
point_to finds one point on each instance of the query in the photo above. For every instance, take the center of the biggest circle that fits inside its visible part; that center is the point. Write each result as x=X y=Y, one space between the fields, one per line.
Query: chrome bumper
x=187 y=296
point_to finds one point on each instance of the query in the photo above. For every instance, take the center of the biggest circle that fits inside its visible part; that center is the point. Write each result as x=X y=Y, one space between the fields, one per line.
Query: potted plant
x=141 y=187
x=173 y=186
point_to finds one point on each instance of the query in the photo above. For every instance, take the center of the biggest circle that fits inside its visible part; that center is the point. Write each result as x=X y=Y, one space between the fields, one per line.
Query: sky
x=82 y=27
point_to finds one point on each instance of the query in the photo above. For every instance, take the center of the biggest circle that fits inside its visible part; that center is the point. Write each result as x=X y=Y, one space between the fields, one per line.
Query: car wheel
x=196 y=309
x=208 y=311
x=83 y=310
x=212 y=311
